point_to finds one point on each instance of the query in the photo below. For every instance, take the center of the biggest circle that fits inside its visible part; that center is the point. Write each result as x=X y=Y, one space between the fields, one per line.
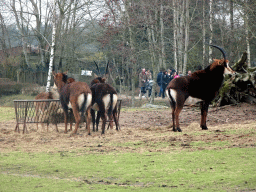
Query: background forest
x=129 y=34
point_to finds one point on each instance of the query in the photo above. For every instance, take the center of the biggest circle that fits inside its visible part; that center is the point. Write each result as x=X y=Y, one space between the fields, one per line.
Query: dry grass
x=129 y=139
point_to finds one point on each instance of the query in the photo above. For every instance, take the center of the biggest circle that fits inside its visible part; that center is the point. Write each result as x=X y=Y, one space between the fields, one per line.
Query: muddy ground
x=142 y=130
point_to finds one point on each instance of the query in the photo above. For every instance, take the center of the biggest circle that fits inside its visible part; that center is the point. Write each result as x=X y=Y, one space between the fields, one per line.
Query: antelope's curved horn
x=106 y=72
x=97 y=67
x=221 y=49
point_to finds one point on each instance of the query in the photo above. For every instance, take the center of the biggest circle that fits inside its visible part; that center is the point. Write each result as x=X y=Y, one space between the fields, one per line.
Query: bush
x=8 y=87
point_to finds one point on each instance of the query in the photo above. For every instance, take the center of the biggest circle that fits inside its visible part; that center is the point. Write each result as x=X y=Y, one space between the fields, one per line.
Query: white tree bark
x=52 y=50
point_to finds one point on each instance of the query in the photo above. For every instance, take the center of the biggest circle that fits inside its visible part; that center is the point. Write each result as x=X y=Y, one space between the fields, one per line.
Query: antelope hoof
x=204 y=127
x=178 y=129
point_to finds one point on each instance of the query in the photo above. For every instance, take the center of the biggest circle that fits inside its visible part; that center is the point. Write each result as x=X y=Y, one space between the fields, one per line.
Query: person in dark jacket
x=162 y=81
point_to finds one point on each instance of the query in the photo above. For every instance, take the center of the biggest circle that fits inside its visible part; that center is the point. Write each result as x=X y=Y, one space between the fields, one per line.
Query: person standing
x=162 y=82
x=142 y=81
x=169 y=76
x=149 y=83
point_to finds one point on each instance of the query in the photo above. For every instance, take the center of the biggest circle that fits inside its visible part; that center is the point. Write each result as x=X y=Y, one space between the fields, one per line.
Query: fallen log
x=238 y=88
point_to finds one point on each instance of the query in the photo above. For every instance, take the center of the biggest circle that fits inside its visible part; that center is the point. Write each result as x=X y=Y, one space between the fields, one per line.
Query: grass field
x=152 y=159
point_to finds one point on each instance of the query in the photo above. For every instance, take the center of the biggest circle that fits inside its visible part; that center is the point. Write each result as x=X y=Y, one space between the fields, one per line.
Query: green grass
x=208 y=170
x=7 y=114
x=7 y=100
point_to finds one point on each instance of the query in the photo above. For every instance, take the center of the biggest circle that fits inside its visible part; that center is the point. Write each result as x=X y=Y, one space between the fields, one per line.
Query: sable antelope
x=76 y=96
x=104 y=101
x=202 y=84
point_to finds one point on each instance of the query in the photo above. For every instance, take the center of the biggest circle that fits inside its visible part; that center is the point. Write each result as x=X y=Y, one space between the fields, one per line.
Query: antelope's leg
x=180 y=100
x=204 y=111
x=116 y=120
x=98 y=120
x=104 y=119
x=76 y=115
x=70 y=121
x=93 y=120
x=66 y=120
x=110 y=118
x=173 y=119
x=88 y=120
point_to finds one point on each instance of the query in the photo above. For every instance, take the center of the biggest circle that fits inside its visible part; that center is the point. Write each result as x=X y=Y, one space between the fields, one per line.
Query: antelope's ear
x=53 y=73
x=95 y=75
x=65 y=73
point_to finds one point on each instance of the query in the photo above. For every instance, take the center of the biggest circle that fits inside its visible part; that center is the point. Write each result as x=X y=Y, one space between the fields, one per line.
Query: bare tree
x=211 y=30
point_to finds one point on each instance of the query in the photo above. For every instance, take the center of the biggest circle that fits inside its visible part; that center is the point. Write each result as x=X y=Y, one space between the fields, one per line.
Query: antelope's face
x=59 y=79
x=228 y=69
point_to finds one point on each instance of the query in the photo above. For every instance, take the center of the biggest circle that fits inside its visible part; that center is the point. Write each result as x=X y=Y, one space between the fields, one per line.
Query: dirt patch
x=147 y=130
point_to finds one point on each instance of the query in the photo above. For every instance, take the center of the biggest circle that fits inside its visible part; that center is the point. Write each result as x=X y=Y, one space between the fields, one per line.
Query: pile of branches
x=240 y=87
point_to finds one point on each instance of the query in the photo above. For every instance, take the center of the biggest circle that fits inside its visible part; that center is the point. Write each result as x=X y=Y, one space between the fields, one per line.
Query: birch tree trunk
x=187 y=22
x=211 y=31
x=175 y=34
x=52 y=50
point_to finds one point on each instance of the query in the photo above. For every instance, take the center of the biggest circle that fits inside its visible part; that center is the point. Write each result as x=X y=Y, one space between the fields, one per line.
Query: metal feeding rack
x=42 y=111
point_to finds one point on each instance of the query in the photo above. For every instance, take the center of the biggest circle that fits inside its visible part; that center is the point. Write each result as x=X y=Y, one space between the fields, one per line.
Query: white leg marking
x=88 y=100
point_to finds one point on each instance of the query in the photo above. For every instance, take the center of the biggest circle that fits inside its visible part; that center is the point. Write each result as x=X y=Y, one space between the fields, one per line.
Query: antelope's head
x=223 y=62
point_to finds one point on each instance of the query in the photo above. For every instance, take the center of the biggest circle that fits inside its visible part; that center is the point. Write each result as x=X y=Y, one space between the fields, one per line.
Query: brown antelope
x=76 y=96
x=202 y=84
x=40 y=107
x=104 y=101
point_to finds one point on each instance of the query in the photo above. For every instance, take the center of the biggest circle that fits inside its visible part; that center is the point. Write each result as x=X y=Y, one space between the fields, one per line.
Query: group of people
x=163 y=79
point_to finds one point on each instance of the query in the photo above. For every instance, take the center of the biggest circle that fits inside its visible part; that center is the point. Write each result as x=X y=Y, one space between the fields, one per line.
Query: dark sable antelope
x=202 y=84
x=104 y=101
x=76 y=96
